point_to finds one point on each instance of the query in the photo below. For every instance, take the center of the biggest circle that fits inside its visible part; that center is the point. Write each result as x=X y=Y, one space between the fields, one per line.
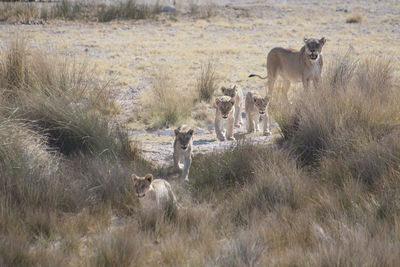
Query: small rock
x=166 y=132
x=200 y=131
x=168 y=9
x=86 y=49
x=111 y=72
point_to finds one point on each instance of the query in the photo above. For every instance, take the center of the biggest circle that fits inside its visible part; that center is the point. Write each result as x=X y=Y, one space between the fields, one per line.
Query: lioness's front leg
x=306 y=82
x=238 y=117
x=257 y=124
x=186 y=167
x=229 y=129
x=266 y=130
x=250 y=122
x=218 y=130
x=176 y=159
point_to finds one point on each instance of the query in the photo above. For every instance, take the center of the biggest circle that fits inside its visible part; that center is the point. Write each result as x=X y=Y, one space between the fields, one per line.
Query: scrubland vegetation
x=326 y=194
x=101 y=11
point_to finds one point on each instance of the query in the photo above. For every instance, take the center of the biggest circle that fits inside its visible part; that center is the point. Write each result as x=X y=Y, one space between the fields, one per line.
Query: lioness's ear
x=305 y=39
x=254 y=99
x=322 y=40
x=149 y=177
x=266 y=98
x=191 y=131
x=234 y=87
x=176 y=131
x=217 y=101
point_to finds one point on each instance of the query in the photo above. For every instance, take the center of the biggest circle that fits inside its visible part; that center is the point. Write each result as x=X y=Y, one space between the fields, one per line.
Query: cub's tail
x=256 y=75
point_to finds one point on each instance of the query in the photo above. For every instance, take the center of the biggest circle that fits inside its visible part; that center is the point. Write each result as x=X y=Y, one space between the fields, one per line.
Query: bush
x=165 y=104
x=207 y=82
x=63 y=100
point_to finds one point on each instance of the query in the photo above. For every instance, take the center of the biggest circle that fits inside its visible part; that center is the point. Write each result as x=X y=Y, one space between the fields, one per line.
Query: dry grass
x=78 y=10
x=354 y=18
x=207 y=82
x=165 y=105
x=328 y=195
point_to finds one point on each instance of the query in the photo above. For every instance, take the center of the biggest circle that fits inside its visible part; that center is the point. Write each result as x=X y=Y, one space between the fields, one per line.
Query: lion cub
x=153 y=193
x=256 y=109
x=224 y=115
x=236 y=93
x=183 y=149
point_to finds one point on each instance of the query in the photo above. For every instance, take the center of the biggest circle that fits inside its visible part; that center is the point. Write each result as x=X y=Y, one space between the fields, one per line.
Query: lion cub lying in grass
x=183 y=144
x=256 y=108
x=153 y=193
x=236 y=93
x=224 y=116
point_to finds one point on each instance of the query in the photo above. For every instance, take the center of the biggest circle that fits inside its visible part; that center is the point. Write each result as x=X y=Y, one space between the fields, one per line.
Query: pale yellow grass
x=129 y=51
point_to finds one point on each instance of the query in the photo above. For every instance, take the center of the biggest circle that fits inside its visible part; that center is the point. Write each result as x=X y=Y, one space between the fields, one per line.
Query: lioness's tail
x=256 y=75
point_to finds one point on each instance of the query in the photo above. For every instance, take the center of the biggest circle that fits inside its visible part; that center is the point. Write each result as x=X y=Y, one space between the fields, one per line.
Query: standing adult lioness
x=295 y=66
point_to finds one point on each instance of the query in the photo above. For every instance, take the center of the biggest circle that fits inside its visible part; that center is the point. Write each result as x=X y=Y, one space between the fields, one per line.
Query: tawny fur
x=256 y=108
x=183 y=144
x=295 y=66
x=235 y=92
x=153 y=193
x=224 y=117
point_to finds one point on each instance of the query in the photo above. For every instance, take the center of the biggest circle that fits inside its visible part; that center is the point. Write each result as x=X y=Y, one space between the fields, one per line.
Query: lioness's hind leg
x=285 y=89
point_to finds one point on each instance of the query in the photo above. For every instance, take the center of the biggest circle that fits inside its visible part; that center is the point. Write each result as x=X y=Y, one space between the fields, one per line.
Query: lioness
x=183 y=149
x=236 y=93
x=256 y=108
x=153 y=193
x=224 y=115
x=295 y=66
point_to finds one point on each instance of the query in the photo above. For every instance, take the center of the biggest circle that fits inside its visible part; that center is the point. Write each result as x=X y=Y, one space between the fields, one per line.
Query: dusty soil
x=237 y=37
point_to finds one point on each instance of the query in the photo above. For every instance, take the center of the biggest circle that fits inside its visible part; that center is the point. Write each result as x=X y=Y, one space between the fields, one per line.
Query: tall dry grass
x=164 y=104
x=327 y=194
x=207 y=82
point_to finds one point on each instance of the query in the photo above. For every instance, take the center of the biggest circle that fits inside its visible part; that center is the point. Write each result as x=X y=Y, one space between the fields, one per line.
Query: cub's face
x=142 y=184
x=184 y=137
x=232 y=91
x=314 y=47
x=261 y=104
x=225 y=105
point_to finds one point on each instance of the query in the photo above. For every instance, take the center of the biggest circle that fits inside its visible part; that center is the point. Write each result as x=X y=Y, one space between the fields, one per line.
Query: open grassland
x=326 y=193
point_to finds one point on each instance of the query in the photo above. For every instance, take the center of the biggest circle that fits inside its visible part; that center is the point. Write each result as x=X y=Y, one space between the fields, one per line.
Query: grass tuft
x=207 y=82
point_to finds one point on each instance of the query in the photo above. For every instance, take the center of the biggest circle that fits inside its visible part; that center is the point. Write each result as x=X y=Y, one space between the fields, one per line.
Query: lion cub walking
x=183 y=144
x=224 y=116
x=256 y=108
x=153 y=193
x=236 y=93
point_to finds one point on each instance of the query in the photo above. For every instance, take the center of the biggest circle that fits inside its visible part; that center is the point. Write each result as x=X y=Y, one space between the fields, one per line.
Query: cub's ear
x=217 y=100
x=232 y=101
x=149 y=177
x=223 y=89
x=234 y=87
x=267 y=98
x=322 y=40
x=134 y=177
x=305 y=39
x=191 y=132
x=254 y=99
x=176 y=131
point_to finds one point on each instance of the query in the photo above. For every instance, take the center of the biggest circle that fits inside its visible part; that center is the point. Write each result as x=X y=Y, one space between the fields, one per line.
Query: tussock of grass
x=62 y=100
x=207 y=82
x=165 y=105
x=354 y=18
x=126 y=10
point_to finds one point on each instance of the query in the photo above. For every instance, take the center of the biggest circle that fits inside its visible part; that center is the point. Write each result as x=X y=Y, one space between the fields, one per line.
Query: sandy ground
x=237 y=39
